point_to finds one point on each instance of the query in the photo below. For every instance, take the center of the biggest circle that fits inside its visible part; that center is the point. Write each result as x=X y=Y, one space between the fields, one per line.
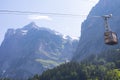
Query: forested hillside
x=104 y=66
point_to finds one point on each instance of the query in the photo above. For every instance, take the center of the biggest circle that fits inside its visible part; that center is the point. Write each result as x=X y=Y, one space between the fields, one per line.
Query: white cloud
x=94 y=1
x=39 y=17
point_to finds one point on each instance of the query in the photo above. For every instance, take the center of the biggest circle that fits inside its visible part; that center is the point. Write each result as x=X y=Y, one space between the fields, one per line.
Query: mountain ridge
x=31 y=50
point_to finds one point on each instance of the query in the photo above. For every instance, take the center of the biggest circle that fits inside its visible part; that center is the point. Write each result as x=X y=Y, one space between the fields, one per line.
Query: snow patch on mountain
x=24 y=32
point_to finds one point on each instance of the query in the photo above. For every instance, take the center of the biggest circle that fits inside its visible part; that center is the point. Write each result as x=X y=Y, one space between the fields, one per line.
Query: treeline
x=5 y=79
x=105 y=66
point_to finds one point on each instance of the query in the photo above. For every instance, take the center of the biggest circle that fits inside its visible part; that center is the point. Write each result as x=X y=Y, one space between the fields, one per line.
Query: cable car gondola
x=110 y=37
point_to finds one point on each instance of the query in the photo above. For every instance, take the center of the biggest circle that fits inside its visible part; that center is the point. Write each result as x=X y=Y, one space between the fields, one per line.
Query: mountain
x=92 y=30
x=31 y=50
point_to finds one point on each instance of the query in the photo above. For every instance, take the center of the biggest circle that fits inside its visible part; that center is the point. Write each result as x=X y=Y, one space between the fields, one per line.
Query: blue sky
x=67 y=25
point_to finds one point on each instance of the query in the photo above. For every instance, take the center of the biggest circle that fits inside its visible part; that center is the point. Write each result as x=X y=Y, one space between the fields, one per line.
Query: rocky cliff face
x=31 y=50
x=92 y=34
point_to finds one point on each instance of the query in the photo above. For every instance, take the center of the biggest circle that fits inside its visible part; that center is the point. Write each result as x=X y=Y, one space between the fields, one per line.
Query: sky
x=66 y=25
